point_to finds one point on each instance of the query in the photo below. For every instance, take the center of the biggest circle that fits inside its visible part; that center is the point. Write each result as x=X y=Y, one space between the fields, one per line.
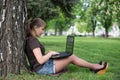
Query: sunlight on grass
x=90 y=49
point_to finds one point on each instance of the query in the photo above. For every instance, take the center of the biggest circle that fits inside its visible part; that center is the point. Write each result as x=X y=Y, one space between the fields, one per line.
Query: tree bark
x=12 y=35
x=106 y=33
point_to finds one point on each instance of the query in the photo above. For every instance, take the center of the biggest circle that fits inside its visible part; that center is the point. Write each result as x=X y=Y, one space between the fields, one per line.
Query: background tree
x=83 y=15
x=41 y=8
x=58 y=24
x=12 y=36
x=93 y=14
x=47 y=9
x=105 y=15
x=61 y=23
x=105 y=12
x=66 y=6
x=116 y=12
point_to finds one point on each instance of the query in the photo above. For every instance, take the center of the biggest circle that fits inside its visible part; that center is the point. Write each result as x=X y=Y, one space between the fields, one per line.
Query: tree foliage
x=106 y=14
x=60 y=23
x=66 y=6
x=116 y=11
x=104 y=11
x=47 y=9
x=41 y=8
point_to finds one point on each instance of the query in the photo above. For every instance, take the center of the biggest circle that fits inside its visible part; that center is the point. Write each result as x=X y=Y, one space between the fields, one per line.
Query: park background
x=95 y=24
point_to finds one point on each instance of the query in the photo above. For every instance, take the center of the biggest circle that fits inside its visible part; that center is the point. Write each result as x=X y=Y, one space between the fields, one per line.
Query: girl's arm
x=40 y=58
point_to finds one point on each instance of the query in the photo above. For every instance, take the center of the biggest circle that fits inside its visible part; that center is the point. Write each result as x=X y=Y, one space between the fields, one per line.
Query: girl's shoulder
x=32 y=39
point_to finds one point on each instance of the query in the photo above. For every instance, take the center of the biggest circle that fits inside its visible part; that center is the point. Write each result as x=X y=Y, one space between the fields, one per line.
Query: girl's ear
x=35 y=27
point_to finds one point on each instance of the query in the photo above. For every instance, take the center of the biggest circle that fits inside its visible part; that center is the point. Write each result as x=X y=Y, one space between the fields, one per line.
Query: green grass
x=90 y=49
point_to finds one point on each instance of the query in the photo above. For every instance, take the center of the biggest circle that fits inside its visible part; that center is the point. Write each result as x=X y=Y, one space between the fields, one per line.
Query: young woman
x=42 y=63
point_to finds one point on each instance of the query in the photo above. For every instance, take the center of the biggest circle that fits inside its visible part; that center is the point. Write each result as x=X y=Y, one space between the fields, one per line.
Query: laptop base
x=61 y=55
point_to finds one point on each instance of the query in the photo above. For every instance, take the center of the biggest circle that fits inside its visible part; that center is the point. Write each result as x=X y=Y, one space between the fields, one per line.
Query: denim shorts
x=47 y=68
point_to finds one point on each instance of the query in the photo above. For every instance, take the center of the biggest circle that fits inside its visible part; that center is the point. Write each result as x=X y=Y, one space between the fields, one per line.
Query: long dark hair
x=32 y=23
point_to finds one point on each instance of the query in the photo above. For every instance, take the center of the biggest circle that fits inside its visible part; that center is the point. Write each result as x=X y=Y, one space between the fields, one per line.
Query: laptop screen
x=70 y=44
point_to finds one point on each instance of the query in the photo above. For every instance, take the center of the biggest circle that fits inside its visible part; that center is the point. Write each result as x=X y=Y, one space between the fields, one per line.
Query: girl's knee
x=72 y=56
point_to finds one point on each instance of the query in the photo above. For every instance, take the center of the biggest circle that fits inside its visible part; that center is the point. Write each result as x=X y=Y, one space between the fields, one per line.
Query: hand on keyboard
x=53 y=52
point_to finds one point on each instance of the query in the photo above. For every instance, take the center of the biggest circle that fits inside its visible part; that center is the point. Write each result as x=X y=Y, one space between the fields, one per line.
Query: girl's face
x=39 y=30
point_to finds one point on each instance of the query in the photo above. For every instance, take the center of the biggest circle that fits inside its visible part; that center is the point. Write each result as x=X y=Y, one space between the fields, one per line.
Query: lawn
x=90 y=49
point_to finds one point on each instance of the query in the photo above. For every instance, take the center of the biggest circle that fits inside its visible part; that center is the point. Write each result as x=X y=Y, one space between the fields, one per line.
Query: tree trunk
x=56 y=30
x=12 y=35
x=93 y=26
x=106 y=33
x=93 y=31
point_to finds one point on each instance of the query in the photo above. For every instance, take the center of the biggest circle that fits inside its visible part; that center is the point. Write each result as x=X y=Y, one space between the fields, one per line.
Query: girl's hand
x=53 y=52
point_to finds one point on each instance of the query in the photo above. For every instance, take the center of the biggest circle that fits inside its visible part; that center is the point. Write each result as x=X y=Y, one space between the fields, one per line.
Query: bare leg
x=60 y=64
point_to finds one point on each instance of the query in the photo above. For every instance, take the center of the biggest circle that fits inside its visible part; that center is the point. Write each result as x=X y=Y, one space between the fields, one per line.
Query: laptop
x=69 y=48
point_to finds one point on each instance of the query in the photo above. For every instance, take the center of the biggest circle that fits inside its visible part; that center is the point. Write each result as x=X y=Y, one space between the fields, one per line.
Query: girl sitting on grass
x=42 y=63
